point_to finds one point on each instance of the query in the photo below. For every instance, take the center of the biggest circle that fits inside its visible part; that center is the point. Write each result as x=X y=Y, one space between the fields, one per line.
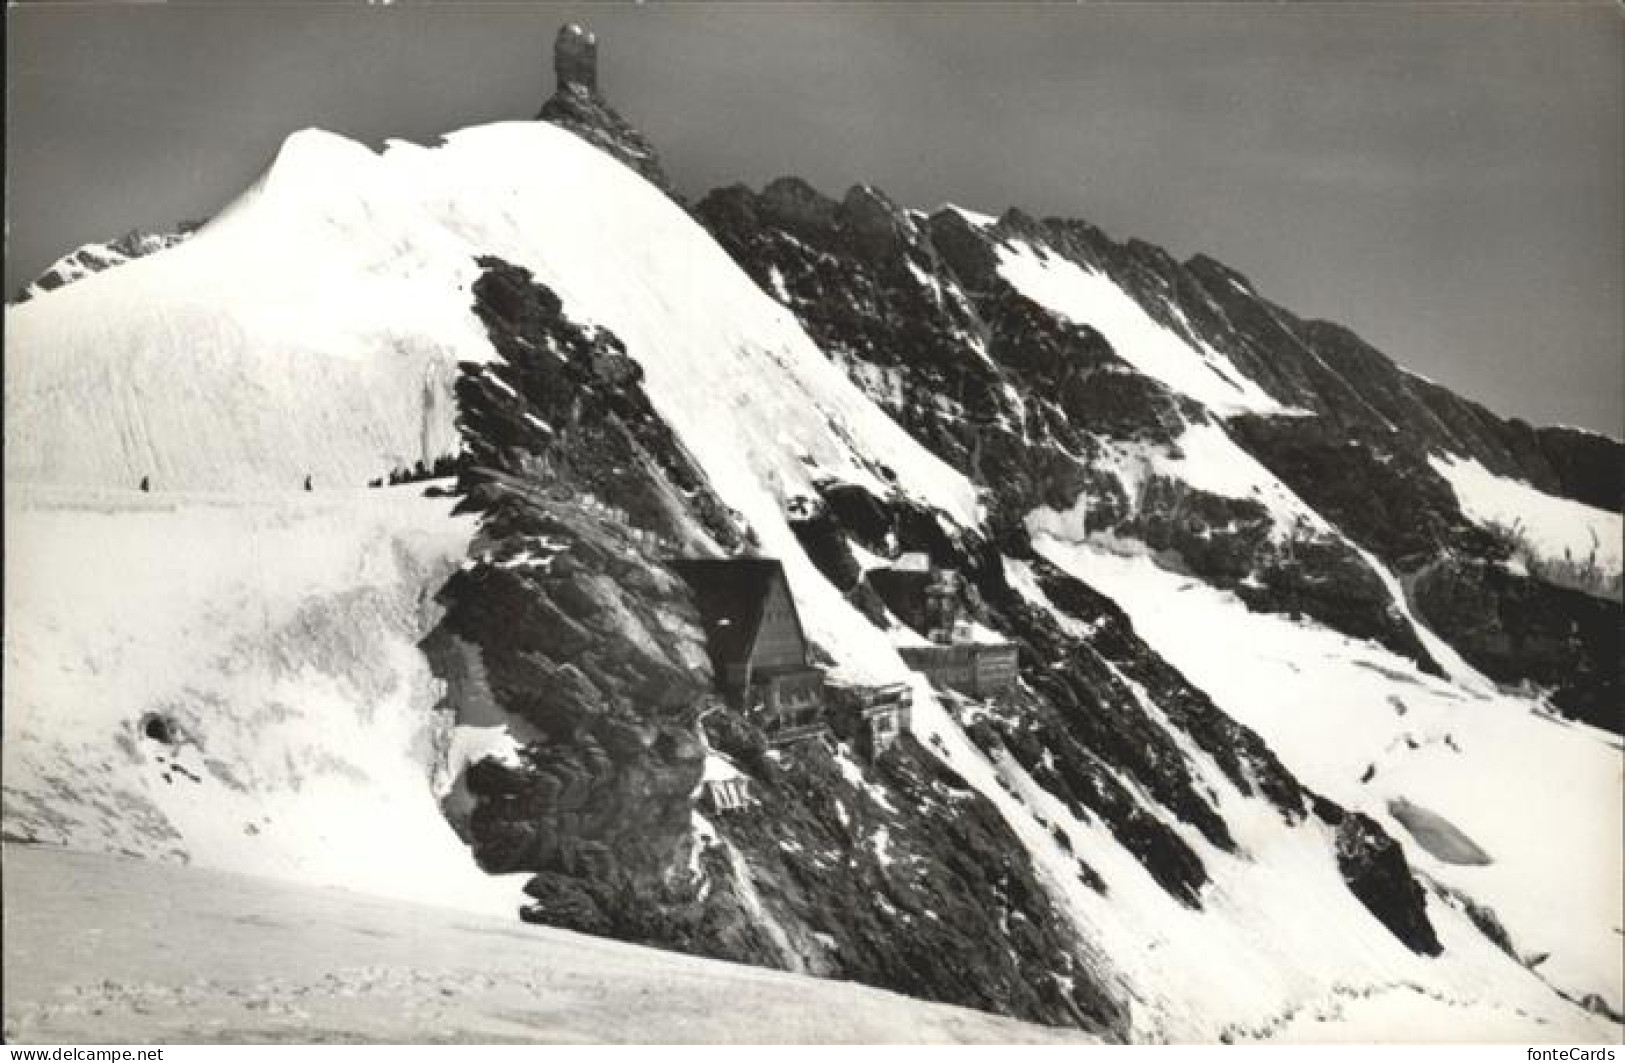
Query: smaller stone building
x=961 y=656
x=979 y=669
x=873 y=717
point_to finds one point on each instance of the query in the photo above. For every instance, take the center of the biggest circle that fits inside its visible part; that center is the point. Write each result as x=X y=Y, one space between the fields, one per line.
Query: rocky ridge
x=922 y=312
x=93 y=258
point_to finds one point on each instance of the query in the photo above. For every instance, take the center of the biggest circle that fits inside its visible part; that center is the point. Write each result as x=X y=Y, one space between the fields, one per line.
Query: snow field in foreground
x=101 y=949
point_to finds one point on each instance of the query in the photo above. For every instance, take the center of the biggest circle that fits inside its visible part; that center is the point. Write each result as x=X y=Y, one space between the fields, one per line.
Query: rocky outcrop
x=565 y=620
x=1517 y=629
x=1326 y=369
x=578 y=107
x=575 y=60
x=1511 y=625
x=567 y=625
x=1032 y=407
x=1082 y=724
x=1378 y=489
x=1021 y=400
x=1587 y=465
x=1374 y=866
x=93 y=258
x=906 y=878
x=1037 y=409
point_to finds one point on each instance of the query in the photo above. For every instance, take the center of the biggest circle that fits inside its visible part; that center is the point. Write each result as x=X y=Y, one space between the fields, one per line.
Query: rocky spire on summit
x=577 y=106
x=575 y=59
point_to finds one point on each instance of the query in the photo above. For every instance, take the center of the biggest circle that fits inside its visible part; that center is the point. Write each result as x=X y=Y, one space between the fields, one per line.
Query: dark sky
x=1447 y=179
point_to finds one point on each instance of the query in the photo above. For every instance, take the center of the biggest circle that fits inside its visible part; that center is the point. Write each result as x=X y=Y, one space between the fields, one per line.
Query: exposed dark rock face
x=1077 y=724
x=1025 y=403
x=565 y=621
x=1375 y=868
x=1383 y=494
x=1030 y=405
x=869 y=283
x=610 y=685
x=1243 y=757
x=1328 y=370
x=898 y=873
x=578 y=107
x=1514 y=628
x=1379 y=490
x=1483 y=917
x=1018 y=398
x=93 y=258
x=1362 y=461
x=1092 y=711
x=567 y=624
x=1227 y=542
x=598 y=431
x=1587 y=465
x=909 y=882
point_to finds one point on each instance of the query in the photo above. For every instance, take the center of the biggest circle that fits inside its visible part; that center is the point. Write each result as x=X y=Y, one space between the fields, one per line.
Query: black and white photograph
x=812 y=523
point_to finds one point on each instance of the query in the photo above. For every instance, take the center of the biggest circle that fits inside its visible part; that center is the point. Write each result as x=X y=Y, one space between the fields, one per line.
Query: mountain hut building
x=757 y=644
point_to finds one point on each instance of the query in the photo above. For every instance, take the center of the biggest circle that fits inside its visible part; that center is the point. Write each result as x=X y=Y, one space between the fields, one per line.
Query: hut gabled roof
x=731 y=594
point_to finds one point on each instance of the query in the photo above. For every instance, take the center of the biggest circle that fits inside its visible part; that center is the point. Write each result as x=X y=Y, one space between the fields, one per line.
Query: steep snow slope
x=314 y=327
x=1555 y=529
x=234 y=681
x=1369 y=730
x=1276 y=936
x=1207 y=460
x=286 y=339
x=1094 y=299
x=99 y=949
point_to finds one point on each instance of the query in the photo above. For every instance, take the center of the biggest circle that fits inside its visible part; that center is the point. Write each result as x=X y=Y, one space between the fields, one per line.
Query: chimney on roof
x=575 y=60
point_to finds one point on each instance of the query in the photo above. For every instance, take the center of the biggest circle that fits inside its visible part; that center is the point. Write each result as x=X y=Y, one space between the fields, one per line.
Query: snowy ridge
x=1177 y=467
x=276 y=343
x=1398 y=739
x=314 y=328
